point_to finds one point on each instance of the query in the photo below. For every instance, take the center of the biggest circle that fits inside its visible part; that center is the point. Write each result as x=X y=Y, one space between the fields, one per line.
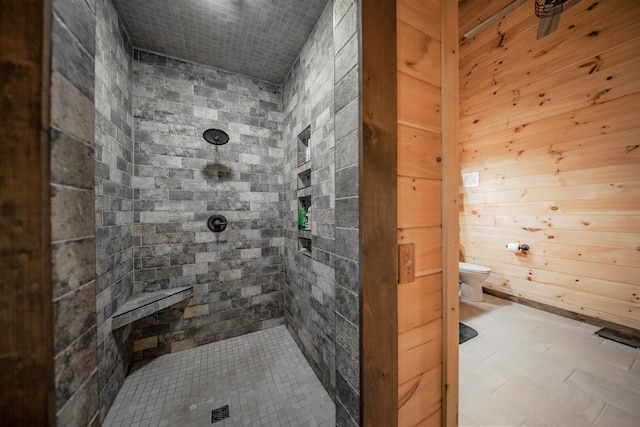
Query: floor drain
x=220 y=414
x=622 y=338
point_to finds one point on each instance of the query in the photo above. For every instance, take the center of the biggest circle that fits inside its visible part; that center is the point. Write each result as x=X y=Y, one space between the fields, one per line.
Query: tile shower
x=180 y=180
x=157 y=181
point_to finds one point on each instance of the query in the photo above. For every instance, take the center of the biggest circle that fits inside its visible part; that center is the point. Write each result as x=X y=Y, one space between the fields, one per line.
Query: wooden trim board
x=26 y=343
x=564 y=313
x=450 y=211
x=378 y=219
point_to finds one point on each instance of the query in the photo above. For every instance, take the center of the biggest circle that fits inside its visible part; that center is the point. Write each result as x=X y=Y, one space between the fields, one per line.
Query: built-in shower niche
x=304 y=244
x=304 y=146
x=304 y=213
x=304 y=179
x=304 y=223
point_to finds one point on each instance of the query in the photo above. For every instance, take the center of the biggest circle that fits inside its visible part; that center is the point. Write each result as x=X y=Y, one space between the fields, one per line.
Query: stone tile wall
x=347 y=181
x=72 y=212
x=308 y=100
x=114 y=197
x=180 y=180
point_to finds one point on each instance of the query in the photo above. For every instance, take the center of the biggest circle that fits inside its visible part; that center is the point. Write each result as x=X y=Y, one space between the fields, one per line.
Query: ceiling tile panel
x=257 y=38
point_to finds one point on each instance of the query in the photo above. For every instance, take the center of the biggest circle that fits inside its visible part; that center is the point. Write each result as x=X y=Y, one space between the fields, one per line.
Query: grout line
x=569 y=376
x=75 y=239
x=73 y=35
x=70 y=187
x=73 y=290
x=600 y=413
x=76 y=340
x=92 y=374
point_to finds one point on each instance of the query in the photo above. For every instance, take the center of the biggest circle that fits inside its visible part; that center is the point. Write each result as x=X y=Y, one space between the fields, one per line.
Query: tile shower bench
x=143 y=304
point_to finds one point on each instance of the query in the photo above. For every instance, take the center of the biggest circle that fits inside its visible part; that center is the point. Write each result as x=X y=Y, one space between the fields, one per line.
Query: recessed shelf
x=304 y=213
x=304 y=179
x=302 y=175
x=304 y=146
x=304 y=246
x=304 y=192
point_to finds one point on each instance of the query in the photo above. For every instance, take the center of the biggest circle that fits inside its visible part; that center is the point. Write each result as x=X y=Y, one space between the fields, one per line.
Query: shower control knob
x=217 y=223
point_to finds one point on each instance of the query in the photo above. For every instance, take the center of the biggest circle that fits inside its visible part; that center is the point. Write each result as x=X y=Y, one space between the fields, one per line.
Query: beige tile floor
x=262 y=376
x=527 y=367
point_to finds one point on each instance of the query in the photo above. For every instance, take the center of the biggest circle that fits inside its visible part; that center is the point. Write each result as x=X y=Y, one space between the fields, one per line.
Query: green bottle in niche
x=302 y=217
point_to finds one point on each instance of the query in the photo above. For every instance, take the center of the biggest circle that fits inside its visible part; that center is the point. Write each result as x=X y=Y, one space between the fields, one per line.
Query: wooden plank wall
x=420 y=328
x=553 y=127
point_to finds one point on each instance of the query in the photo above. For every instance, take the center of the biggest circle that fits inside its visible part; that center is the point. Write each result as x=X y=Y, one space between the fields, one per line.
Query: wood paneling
x=419 y=349
x=418 y=55
x=552 y=126
x=26 y=341
x=419 y=153
x=423 y=15
x=419 y=202
x=592 y=254
x=570 y=125
x=427 y=33
x=511 y=34
x=428 y=243
x=420 y=301
x=473 y=12
x=418 y=103
x=379 y=256
x=420 y=399
x=486 y=41
x=486 y=23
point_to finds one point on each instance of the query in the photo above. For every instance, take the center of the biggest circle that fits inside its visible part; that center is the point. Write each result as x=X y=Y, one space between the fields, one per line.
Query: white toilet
x=471 y=278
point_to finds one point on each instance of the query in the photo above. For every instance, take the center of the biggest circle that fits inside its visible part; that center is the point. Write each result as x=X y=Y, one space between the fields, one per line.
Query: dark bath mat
x=466 y=333
x=616 y=336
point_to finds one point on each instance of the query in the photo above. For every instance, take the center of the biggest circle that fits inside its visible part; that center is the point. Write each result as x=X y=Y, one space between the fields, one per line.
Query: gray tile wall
x=72 y=212
x=180 y=180
x=348 y=282
x=114 y=197
x=308 y=99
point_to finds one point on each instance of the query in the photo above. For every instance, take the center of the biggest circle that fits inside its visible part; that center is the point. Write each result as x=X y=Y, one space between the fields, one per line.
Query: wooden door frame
x=450 y=214
x=26 y=306
x=378 y=216
x=378 y=201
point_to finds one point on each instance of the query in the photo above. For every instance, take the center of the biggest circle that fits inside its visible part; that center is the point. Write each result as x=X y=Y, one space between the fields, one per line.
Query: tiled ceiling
x=257 y=38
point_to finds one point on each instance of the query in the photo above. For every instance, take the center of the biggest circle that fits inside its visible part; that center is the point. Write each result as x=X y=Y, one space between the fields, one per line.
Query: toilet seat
x=472 y=268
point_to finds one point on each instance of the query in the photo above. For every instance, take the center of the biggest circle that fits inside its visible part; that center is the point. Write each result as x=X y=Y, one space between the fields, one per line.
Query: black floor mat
x=466 y=333
x=614 y=335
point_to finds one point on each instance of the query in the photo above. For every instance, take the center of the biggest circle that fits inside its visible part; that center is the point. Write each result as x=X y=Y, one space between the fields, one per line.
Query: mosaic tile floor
x=262 y=376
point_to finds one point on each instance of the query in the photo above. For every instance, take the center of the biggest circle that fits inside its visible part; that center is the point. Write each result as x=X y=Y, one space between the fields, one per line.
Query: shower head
x=215 y=136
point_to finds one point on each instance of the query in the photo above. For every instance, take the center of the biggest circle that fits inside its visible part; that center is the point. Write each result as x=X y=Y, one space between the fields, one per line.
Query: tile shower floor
x=528 y=367
x=262 y=376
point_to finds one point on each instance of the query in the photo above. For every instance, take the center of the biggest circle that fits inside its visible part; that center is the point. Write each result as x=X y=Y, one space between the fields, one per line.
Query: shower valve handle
x=217 y=223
